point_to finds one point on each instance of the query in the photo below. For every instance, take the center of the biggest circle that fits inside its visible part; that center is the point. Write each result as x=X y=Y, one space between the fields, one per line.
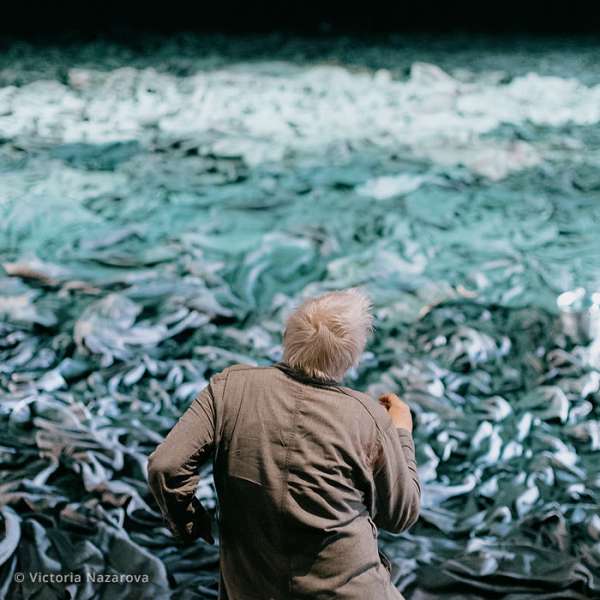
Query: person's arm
x=395 y=476
x=173 y=467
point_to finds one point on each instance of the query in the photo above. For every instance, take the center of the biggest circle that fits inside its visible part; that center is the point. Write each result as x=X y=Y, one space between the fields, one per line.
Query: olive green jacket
x=305 y=471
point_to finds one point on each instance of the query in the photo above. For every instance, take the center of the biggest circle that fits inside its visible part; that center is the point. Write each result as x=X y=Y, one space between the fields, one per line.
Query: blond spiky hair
x=326 y=336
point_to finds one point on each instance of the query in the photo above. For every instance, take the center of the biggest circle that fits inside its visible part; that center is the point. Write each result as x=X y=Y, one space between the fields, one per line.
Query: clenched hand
x=398 y=410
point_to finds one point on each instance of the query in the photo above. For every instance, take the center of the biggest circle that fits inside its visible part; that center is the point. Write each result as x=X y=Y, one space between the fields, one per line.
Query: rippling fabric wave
x=162 y=209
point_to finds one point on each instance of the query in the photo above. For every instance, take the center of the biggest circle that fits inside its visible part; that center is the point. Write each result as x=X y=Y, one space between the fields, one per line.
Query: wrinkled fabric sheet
x=159 y=221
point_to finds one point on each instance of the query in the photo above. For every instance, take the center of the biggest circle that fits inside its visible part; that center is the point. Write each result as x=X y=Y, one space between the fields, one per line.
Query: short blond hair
x=325 y=336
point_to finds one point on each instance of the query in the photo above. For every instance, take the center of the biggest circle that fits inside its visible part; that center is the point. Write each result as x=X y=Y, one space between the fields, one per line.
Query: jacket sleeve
x=173 y=467
x=397 y=485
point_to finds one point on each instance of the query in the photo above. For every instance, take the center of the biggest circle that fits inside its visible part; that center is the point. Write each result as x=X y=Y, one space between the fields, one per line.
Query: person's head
x=325 y=336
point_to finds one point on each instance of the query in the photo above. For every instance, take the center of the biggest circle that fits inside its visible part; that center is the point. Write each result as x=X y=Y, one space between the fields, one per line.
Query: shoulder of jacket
x=239 y=367
x=376 y=411
x=235 y=368
x=224 y=373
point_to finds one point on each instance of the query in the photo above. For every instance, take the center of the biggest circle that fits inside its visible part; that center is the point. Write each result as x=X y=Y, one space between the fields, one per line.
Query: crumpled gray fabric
x=161 y=212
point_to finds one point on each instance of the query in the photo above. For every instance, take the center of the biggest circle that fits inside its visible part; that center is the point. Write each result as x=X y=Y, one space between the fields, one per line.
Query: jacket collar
x=303 y=377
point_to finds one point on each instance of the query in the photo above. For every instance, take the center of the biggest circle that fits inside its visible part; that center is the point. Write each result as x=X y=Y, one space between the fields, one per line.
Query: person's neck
x=300 y=374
